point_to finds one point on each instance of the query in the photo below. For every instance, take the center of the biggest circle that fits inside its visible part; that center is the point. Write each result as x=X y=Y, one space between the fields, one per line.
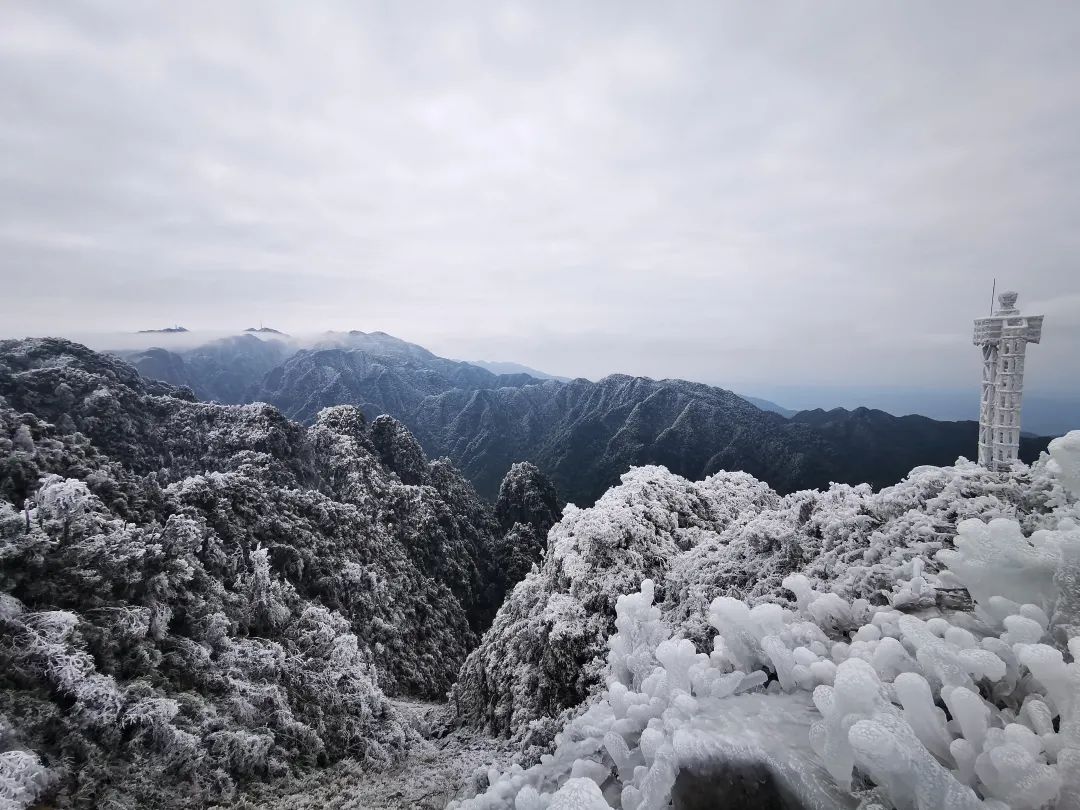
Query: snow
x=841 y=700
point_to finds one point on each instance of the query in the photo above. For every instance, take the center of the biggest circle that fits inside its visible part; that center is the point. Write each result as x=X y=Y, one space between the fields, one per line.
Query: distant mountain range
x=767 y=405
x=583 y=434
x=1050 y=407
x=516 y=368
x=168 y=330
x=228 y=370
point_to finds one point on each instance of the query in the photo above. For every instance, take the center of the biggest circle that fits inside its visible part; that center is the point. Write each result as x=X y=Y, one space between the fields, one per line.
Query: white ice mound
x=1065 y=461
x=22 y=776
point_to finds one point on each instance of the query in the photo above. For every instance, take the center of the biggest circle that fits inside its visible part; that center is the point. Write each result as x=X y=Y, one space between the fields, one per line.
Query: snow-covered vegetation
x=207 y=605
x=914 y=648
x=195 y=597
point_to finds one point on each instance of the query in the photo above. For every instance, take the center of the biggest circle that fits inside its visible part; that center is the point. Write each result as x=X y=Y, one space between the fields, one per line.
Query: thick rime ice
x=668 y=708
x=1065 y=460
x=730 y=535
x=842 y=701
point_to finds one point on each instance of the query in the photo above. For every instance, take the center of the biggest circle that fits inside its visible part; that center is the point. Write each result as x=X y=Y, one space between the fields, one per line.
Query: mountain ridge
x=584 y=434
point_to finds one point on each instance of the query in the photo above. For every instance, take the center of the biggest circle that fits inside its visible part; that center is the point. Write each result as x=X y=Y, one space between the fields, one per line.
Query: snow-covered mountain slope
x=376 y=382
x=194 y=596
x=913 y=648
x=226 y=370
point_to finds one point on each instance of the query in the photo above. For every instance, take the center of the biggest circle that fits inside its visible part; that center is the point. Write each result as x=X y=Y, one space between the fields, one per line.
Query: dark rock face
x=399 y=451
x=732 y=784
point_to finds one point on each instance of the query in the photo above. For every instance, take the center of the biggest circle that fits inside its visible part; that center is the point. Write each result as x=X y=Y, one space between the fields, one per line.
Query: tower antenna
x=1003 y=338
x=992 y=291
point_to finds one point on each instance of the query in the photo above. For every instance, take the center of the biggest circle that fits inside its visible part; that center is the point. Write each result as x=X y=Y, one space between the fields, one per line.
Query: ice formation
x=906 y=705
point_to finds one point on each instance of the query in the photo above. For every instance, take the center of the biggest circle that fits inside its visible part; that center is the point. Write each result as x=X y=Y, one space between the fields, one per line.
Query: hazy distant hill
x=516 y=368
x=767 y=405
x=227 y=370
x=877 y=443
x=168 y=330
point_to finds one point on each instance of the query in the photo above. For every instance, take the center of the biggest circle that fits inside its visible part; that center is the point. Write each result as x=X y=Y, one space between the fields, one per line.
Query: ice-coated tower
x=1004 y=337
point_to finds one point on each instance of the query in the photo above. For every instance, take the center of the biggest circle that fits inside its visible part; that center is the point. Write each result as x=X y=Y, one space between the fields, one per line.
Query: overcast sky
x=737 y=193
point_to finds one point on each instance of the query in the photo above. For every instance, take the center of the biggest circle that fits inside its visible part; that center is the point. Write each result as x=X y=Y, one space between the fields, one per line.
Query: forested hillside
x=202 y=595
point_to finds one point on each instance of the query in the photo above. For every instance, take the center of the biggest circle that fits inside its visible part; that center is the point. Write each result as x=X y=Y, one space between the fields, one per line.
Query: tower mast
x=1003 y=338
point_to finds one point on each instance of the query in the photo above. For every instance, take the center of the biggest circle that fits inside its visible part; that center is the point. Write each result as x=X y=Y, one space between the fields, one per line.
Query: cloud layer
x=739 y=193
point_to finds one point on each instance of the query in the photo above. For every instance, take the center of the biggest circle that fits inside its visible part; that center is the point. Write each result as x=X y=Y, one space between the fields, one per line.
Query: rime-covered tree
x=201 y=595
x=527 y=507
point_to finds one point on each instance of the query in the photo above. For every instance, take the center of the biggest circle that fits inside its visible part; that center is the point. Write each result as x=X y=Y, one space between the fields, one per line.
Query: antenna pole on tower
x=992 y=291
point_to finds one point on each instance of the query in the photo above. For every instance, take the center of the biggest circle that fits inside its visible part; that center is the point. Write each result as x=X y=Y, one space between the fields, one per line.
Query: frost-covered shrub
x=206 y=703
x=527 y=508
x=195 y=596
x=729 y=535
x=22 y=776
x=942 y=710
x=545 y=650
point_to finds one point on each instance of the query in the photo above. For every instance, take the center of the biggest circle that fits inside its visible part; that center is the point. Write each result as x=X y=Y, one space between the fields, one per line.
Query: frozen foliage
x=527 y=508
x=195 y=596
x=151 y=656
x=544 y=652
x=844 y=687
x=22 y=776
x=729 y=535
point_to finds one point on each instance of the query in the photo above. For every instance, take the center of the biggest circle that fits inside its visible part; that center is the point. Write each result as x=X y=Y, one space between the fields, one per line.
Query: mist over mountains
x=583 y=434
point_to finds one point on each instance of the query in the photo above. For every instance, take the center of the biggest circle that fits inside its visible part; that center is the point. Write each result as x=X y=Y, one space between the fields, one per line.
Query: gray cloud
x=739 y=193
